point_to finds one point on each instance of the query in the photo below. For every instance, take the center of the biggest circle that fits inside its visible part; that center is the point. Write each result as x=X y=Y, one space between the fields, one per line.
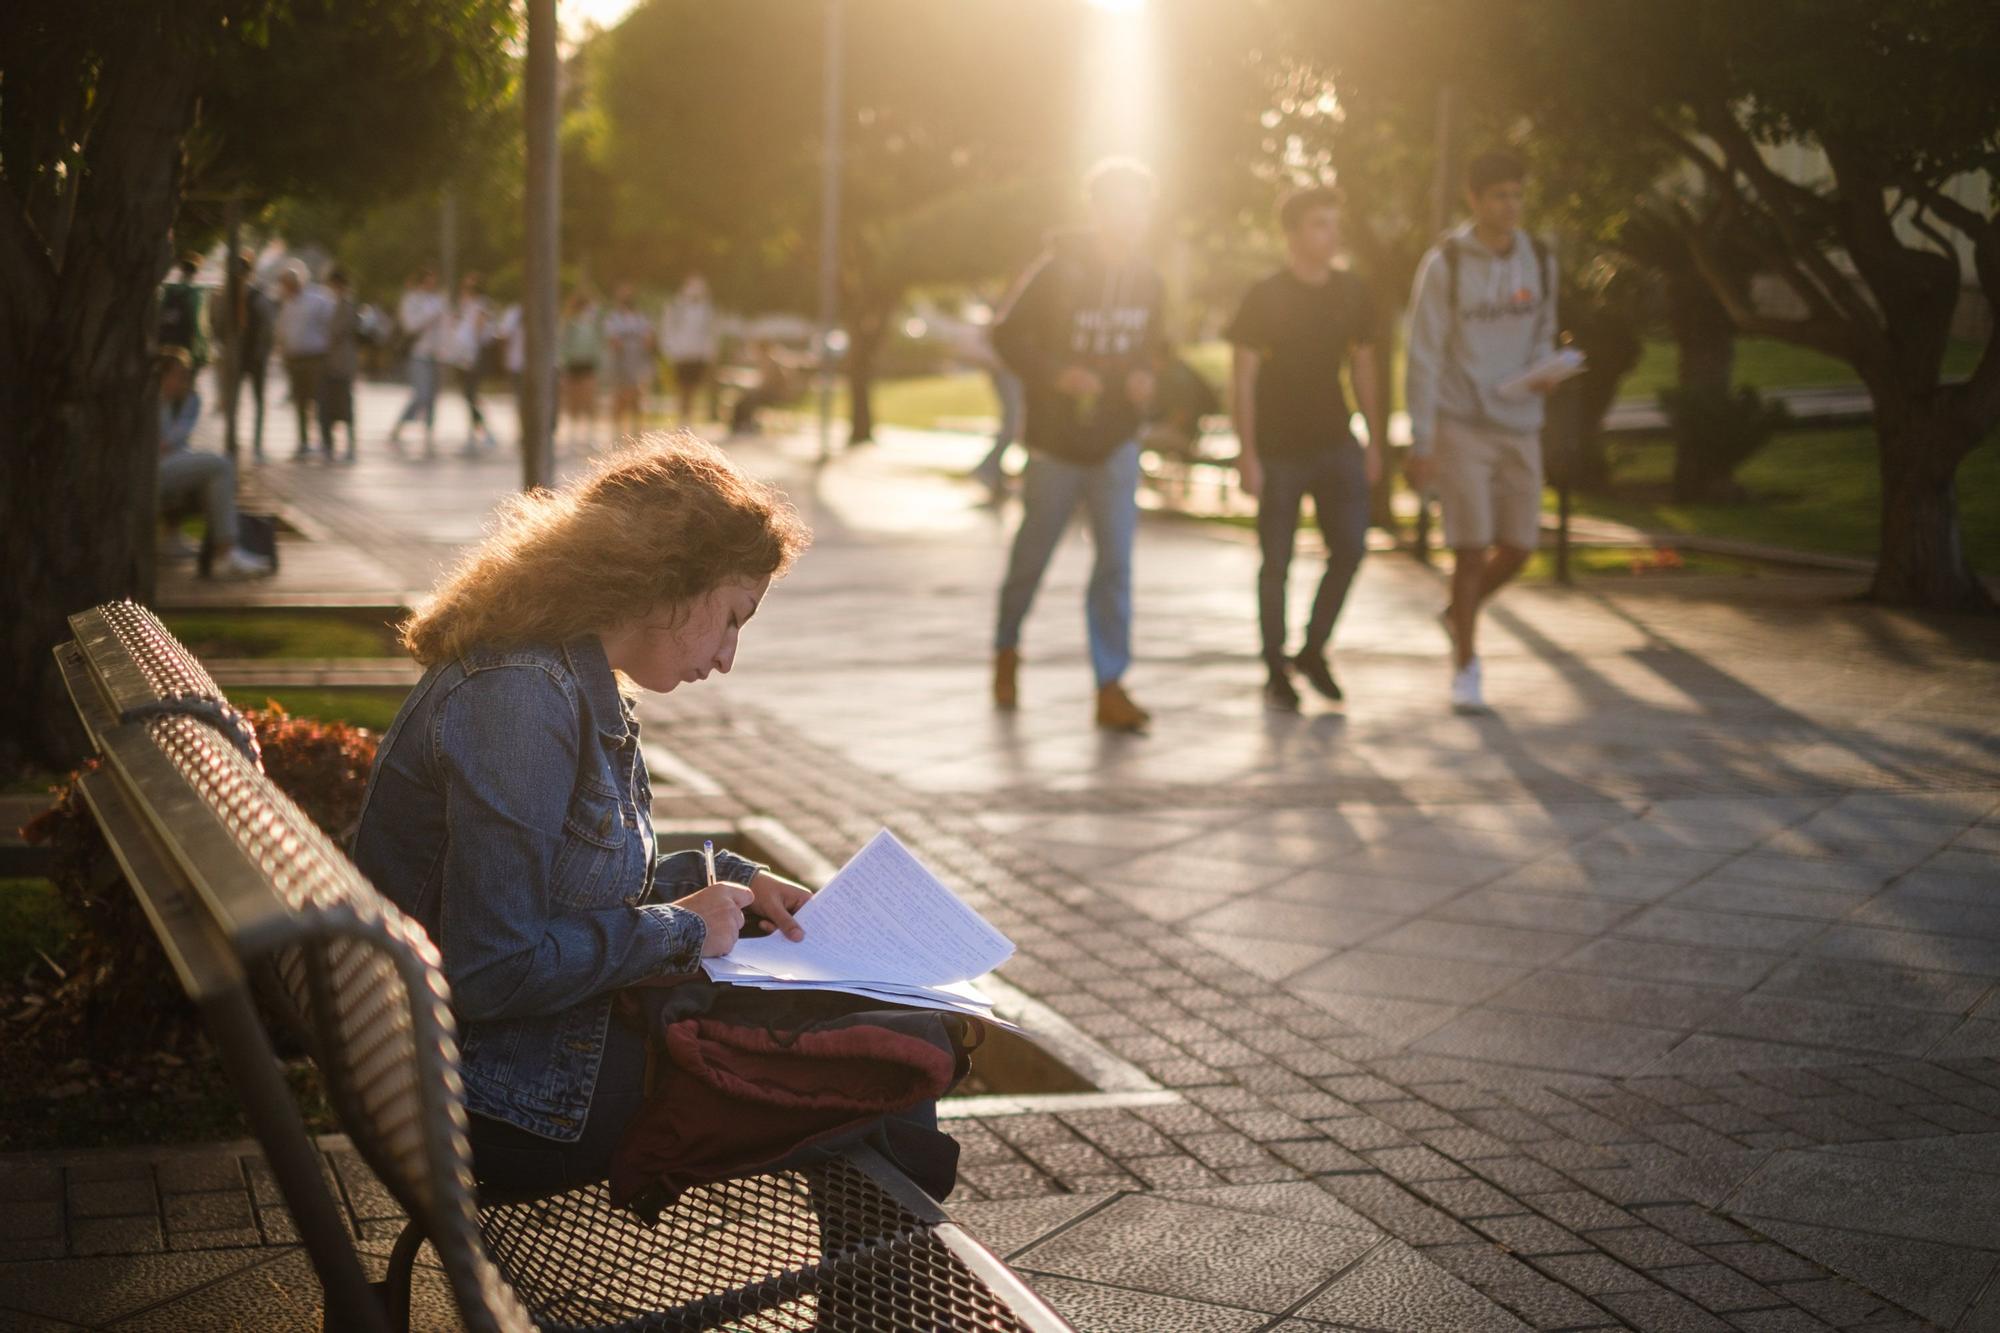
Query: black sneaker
x=1279 y=696
x=1320 y=676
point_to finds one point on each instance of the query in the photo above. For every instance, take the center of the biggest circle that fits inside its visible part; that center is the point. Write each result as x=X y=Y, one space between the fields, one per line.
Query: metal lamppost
x=538 y=303
x=829 y=226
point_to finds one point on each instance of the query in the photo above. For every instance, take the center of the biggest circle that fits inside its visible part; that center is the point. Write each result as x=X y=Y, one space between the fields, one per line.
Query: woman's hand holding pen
x=720 y=907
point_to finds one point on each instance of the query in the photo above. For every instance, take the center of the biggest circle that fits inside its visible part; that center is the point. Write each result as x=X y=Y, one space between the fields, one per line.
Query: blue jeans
x=188 y=475
x=1337 y=480
x=1050 y=489
x=423 y=392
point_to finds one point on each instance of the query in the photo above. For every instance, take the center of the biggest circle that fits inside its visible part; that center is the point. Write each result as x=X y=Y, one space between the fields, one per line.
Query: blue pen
x=708 y=857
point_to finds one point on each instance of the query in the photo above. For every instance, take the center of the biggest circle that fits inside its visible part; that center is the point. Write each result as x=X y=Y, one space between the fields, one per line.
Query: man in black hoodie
x=1083 y=332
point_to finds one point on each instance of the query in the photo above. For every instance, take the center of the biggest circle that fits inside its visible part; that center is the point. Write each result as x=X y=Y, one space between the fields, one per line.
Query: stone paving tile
x=1907 y=1199
x=1298 y=1201
x=1395 y=1287
x=1643 y=1247
x=1220 y=1255
x=1661 y=1311
x=98 y=1290
x=1120 y=1309
x=1008 y=1225
x=1543 y=1303
x=1592 y=1274
x=1937 y=1281
x=1549 y=1041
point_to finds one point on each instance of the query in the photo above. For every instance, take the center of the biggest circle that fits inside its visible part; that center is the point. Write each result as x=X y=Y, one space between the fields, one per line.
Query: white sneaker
x=240 y=564
x=1467 y=696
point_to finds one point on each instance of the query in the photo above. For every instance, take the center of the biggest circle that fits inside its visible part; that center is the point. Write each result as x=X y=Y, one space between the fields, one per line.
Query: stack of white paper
x=884 y=927
x=1562 y=364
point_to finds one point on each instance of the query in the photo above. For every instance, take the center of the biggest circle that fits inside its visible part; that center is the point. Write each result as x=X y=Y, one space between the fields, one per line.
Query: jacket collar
x=609 y=709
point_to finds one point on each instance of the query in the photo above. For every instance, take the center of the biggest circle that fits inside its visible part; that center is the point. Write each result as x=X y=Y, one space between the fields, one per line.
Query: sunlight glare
x=1121 y=113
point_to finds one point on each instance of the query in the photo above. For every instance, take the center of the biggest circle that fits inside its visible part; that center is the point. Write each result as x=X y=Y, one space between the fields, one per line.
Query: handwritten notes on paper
x=885 y=922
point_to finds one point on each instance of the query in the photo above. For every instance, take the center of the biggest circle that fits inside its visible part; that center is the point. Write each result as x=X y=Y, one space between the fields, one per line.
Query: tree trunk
x=78 y=420
x=1923 y=562
x=864 y=341
x=1705 y=365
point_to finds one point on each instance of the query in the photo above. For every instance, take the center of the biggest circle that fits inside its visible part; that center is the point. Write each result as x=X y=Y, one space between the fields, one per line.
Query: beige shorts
x=1490 y=485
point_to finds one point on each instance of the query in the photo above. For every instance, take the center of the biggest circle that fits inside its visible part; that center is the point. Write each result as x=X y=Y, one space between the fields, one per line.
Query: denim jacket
x=509 y=812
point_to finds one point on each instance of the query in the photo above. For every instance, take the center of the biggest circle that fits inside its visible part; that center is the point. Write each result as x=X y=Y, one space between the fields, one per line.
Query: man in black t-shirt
x=1293 y=422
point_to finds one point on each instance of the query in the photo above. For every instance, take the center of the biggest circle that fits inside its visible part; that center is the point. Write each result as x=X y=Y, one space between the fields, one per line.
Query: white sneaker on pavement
x=1467 y=695
x=240 y=564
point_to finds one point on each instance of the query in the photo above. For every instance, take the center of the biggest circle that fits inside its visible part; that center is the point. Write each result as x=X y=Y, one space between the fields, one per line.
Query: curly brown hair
x=662 y=520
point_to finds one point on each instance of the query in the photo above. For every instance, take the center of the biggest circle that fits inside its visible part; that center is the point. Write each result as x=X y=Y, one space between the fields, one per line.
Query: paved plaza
x=1663 y=999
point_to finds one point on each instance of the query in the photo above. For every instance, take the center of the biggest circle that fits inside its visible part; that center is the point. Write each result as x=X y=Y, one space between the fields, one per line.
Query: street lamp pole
x=829 y=225
x=538 y=299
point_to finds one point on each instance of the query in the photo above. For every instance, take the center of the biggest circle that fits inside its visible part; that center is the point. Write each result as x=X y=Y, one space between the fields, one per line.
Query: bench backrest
x=238 y=880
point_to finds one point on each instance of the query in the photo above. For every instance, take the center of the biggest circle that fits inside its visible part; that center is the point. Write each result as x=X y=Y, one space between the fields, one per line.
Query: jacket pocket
x=595 y=843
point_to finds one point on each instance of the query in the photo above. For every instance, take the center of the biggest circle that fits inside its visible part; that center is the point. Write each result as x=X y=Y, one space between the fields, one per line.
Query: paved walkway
x=1665 y=999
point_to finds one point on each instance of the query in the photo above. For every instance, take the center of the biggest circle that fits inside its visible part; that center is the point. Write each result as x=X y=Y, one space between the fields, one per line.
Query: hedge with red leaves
x=120 y=1000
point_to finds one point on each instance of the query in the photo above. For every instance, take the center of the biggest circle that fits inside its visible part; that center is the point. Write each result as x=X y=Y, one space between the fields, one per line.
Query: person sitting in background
x=773 y=385
x=189 y=477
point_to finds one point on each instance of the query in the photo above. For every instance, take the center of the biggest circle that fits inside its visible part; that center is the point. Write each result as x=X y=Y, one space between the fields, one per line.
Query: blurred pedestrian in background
x=628 y=361
x=582 y=351
x=422 y=315
x=343 y=364
x=464 y=348
x=304 y=332
x=689 y=340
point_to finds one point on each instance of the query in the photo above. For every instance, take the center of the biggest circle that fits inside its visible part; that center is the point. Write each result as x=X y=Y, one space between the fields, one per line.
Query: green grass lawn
x=32 y=916
x=372 y=708
x=1636 y=562
x=925 y=401
x=1768 y=363
x=1813 y=490
x=276 y=634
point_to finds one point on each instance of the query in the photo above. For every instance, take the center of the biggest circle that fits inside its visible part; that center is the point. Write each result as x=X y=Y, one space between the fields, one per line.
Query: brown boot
x=1006 y=662
x=1117 y=712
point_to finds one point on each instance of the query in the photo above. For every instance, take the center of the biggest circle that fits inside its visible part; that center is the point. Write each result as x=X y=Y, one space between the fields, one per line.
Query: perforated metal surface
x=825 y=1249
x=361 y=980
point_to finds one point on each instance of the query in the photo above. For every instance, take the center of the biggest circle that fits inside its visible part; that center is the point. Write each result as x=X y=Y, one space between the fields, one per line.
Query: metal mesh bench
x=245 y=893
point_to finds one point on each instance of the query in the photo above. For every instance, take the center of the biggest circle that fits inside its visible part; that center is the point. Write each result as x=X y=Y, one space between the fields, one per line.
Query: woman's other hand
x=775 y=899
x=720 y=907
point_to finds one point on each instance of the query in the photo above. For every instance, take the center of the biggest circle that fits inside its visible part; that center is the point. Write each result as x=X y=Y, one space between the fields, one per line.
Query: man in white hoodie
x=1483 y=312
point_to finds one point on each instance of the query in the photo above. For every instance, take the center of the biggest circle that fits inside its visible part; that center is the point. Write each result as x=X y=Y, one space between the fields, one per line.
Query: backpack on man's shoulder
x=1544 y=260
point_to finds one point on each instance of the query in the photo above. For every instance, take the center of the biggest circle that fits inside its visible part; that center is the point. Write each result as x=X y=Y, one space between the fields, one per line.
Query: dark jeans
x=510 y=1159
x=468 y=384
x=1337 y=480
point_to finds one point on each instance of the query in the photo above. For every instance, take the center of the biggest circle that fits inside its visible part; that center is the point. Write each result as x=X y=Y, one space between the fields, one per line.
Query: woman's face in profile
x=664 y=650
